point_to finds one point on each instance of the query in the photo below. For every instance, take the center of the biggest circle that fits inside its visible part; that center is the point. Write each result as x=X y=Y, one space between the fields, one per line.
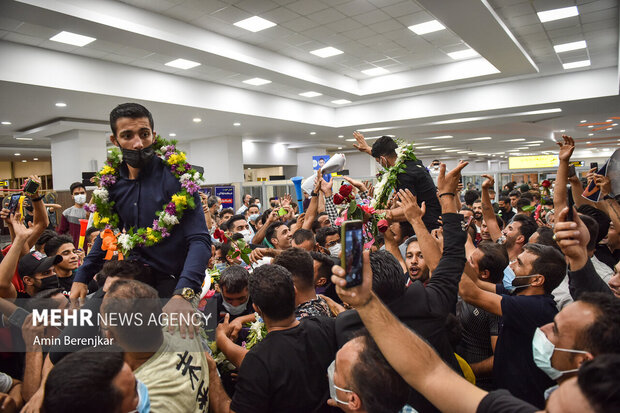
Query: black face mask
x=49 y=282
x=138 y=158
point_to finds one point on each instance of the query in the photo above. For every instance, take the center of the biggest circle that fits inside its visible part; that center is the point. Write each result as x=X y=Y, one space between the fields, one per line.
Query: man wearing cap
x=37 y=272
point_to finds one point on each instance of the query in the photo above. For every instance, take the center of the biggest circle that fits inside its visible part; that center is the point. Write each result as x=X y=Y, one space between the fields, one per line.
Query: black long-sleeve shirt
x=586 y=280
x=419 y=181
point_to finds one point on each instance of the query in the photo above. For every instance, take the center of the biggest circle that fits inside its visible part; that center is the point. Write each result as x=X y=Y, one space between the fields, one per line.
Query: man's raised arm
x=488 y=214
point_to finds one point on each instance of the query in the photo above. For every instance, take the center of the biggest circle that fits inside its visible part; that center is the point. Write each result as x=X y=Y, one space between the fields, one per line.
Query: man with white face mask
x=237 y=224
x=70 y=221
x=234 y=298
x=583 y=330
x=328 y=239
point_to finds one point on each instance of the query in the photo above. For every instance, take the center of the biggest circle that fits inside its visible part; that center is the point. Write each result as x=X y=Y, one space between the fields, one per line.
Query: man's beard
x=477 y=216
x=421 y=275
x=510 y=242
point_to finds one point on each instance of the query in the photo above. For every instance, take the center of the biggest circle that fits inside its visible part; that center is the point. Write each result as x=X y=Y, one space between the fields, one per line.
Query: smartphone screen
x=571 y=171
x=14 y=203
x=282 y=212
x=594 y=165
x=352 y=239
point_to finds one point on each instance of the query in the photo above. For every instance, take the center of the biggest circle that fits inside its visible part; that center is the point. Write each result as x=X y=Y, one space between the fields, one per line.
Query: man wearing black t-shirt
x=539 y=269
x=287 y=371
x=415 y=178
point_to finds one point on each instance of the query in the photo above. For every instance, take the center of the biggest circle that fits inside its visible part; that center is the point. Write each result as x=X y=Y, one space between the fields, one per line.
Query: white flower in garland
x=169 y=219
x=125 y=241
x=185 y=178
x=387 y=181
x=102 y=194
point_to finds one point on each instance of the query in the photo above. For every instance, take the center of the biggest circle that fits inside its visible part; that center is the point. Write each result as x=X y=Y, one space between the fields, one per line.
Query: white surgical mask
x=543 y=349
x=334 y=250
x=80 y=199
x=234 y=310
x=247 y=235
x=253 y=217
x=258 y=205
x=332 y=387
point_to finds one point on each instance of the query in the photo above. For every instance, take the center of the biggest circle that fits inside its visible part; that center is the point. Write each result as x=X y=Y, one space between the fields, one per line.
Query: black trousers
x=164 y=283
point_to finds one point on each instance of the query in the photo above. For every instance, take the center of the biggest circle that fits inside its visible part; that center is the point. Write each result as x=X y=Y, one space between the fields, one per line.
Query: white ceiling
x=136 y=37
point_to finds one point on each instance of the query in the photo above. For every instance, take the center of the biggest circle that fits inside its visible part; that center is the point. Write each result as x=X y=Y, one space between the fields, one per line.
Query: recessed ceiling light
x=515 y=140
x=312 y=133
x=72 y=39
x=609 y=120
x=23 y=160
x=341 y=101
x=427 y=27
x=440 y=137
x=255 y=24
x=609 y=129
x=614 y=124
x=236 y=124
x=196 y=120
x=464 y=152
x=482 y=138
x=375 y=71
x=341 y=136
x=557 y=14
x=567 y=47
x=463 y=54
x=562 y=130
x=437 y=149
x=326 y=52
x=590 y=134
x=537 y=141
x=350 y=140
x=583 y=121
x=17 y=154
x=6 y=122
x=310 y=94
x=257 y=81
x=35 y=159
x=340 y=147
x=590 y=126
x=452 y=150
x=588 y=142
x=533 y=144
x=61 y=105
x=574 y=65
x=172 y=135
x=24 y=139
x=182 y=64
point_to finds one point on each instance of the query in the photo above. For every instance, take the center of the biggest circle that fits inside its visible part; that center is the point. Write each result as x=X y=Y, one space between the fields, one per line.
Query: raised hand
x=355 y=183
x=409 y=203
x=489 y=181
x=567 y=146
x=448 y=182
x=572 y=238
x=361 y=144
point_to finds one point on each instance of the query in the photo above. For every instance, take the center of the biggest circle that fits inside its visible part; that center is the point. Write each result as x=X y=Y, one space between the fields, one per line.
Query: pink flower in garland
x=191 y=187
x=90 y=208
x=171 y=208
x=164 y=233
x=108 y=180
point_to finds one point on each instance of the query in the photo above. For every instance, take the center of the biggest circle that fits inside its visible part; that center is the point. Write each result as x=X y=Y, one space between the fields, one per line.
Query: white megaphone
x=335 y=164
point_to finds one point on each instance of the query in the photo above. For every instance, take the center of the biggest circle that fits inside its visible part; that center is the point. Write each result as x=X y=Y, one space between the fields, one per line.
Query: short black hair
x=495 y=260
x=388 y=281
x=505 y=199
x=550 y=263
x=527 y=195
x=233 y=219
x=470 y=196
x=46 y=236
x=235 y=278
x=124 y=269
x=76 y=185
x=82 y=382
x=129 y=110
x=515 y=192
x=130 y=297
x=300 y=265
x=53 y=244
x=528 y=225
x=406 y=229
x=603 y=335
x=90 y=231
x=224 y=247
x=272 y=290
x=316 y=224
x=226 y=211
x=601 y=218
x=545 y=237
x=592 y=226
x=599 y=381
x=524 y=188
x=271 y=230
x=326 y=263
x=384 y=146
x=303 y=235
x=265 y=216
x=323 y=233
x=373 y=379
x=522 y=202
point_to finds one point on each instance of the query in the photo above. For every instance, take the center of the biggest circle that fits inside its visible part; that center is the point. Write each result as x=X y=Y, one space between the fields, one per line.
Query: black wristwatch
x=314 y=194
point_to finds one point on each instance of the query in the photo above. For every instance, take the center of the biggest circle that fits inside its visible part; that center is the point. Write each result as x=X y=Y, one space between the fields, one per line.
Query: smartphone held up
x=352 y=239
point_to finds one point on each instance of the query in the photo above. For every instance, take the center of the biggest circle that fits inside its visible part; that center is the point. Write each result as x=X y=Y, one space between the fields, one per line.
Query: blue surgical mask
x=332 y=387
x=543 y=349
x=144 y=403
x=509 y=275
x=253 y=217
x=258 y=205
x=234 y=310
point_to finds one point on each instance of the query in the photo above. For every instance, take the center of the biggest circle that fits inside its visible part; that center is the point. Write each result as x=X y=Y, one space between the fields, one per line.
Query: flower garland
x=171 y=213
x=388 y=178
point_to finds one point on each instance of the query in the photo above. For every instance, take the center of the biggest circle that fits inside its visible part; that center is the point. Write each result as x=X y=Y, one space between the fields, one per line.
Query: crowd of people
x=471 y=300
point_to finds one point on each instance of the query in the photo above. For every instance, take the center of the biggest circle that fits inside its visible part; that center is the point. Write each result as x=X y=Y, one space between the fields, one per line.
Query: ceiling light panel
x=182 y=64
x=310 y=94
x=255 y=24
x=257 y=81
x=557 y=14
x=375 y=71
x=463 y=54
x=73 y=39
x=427 y=27
x=482 y=138
x=567 y=47
x=326 y=52
x=341 y=101
x=575 y=65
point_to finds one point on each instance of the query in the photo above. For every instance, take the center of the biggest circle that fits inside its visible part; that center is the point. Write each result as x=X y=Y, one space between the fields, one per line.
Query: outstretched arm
x=560 y=195
x=488 y=213
x=414 y=213
x=408 y=354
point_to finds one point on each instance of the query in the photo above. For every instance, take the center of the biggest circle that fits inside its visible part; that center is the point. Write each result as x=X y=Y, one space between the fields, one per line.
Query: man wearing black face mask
x=145 y=183
x=37 y=272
